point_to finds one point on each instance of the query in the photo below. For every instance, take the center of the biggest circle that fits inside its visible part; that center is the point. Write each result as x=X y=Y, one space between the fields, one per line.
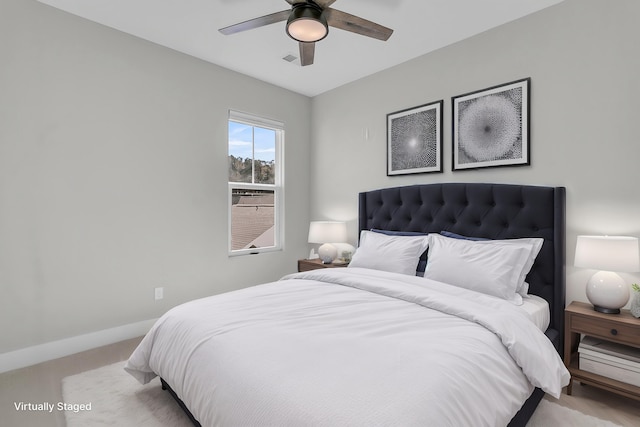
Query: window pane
x=264 y=155
x=240 y=152
x=254 y=173
x=252 y=219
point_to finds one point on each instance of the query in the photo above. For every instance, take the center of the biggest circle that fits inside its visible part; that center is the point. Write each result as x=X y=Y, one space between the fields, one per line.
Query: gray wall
x=113 y=163
x=113 y=155
x=584 y=65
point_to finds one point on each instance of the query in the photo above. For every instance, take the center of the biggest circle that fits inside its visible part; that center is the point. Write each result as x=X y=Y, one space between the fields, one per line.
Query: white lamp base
x=607 y=292
x=327 y=253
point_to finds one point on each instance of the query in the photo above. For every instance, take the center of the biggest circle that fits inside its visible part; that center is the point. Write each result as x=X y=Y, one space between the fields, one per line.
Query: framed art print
x=414 y=140
x=491 y=127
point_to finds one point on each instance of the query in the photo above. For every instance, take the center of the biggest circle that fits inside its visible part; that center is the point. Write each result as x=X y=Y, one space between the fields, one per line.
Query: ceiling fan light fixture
x=307 y=24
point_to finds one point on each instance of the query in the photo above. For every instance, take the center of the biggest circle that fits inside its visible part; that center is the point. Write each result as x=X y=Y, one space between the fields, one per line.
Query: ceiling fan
x=308 y=21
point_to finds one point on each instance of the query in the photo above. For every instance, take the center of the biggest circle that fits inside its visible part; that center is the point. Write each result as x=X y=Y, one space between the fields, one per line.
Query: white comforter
x=350 y=347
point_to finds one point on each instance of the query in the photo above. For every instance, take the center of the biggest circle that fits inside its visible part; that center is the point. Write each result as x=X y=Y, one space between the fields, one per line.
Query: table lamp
x=327 y=232
x=606 y=290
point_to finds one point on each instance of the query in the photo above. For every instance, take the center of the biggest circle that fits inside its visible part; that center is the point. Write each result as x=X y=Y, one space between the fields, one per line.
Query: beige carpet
x=117 y=399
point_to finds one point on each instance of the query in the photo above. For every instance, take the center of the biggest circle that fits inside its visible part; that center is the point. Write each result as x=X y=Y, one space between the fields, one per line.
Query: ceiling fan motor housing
x=307 y=23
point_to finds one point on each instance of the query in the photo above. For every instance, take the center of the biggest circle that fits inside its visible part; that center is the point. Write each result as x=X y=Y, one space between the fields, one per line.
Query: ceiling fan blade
x=292 y=2
x=256 y=22
x=355 y=24
x=307 y=51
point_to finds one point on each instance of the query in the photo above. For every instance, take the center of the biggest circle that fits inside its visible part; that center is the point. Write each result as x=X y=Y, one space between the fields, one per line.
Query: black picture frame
x=414 y=140
x=491 y=127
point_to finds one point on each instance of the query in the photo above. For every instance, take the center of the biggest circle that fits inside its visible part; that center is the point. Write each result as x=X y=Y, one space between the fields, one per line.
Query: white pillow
x=490 y=267
x=396 y=254
x=535 y=244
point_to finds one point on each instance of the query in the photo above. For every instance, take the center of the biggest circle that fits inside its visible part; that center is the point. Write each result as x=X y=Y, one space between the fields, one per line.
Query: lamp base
x=327 y=253
x=607 y=292
x=606 y=310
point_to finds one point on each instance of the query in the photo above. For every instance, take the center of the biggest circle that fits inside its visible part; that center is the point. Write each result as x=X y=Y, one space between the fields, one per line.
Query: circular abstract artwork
x=414 y=140
x=490 y=127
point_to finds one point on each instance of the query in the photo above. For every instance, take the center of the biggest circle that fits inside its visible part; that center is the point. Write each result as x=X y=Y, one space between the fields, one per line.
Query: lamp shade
x=327 y=232
x=608 y=253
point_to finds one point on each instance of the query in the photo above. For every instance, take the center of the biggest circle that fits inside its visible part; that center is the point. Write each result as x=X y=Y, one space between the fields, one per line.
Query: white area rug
x=117 y=399
x=551 y=414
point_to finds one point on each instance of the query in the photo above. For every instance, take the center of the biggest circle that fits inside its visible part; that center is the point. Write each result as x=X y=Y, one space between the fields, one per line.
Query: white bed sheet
x=349 y=347
x=537 y=308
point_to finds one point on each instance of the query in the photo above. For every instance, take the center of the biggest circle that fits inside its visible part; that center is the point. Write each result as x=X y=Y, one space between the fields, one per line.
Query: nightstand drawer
x=309 y=266
x=315 y=264
x=612 y=331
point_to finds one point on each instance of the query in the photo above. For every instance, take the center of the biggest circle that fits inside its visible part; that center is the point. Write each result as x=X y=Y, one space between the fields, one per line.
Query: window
x=255 y=184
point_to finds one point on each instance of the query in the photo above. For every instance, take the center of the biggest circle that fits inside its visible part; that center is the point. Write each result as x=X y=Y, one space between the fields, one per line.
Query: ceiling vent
x=290 y=58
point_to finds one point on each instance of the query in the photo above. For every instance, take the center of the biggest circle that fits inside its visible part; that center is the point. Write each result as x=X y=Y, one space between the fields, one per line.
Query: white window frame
x=277 y=187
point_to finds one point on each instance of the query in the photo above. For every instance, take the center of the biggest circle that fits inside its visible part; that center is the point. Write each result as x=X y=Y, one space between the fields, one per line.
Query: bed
x=361 y=346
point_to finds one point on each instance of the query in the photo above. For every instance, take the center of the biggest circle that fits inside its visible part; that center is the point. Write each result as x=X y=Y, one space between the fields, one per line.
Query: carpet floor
x=108 y=396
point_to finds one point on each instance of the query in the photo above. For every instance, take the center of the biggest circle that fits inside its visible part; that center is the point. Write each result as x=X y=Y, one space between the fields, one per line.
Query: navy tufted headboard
x=493 y=211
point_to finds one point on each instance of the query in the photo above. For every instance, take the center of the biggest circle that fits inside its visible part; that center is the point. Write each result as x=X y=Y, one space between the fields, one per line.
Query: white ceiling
x=191 y=27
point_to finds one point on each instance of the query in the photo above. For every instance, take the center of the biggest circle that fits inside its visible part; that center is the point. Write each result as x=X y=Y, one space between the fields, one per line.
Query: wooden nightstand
x=314 y=264
x=623 y=328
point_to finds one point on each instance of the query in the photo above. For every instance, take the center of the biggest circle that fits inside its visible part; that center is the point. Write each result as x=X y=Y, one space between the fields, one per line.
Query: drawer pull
x=614 y=332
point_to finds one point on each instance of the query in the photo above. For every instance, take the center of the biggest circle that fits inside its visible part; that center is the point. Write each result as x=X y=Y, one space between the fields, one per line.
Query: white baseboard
x=53 y=350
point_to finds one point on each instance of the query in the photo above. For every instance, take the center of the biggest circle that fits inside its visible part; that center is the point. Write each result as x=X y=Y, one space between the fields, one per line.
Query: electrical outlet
x=159 y=293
